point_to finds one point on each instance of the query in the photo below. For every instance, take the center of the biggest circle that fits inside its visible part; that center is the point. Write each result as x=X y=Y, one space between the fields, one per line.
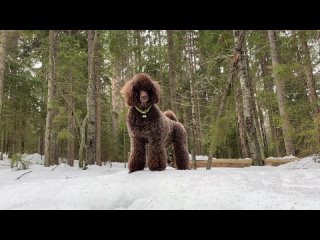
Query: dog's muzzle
x=144 y=96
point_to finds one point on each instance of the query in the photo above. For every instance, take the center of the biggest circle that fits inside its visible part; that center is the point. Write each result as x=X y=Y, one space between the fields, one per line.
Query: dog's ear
x=127 y=93
x=155 y=92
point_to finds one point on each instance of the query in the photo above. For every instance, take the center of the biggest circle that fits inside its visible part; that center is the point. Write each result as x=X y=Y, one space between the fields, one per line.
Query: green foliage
x=307 y=138
x=64 y=134
x=267 y=99
x=222 y=136
x=283 y=71
x=119 y=146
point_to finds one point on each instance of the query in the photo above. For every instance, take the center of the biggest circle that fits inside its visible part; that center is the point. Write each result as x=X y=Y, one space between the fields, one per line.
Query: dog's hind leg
x=180 y=150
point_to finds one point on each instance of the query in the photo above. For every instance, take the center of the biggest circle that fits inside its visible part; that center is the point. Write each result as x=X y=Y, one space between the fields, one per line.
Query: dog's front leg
x=137 y=159
x=157 y=157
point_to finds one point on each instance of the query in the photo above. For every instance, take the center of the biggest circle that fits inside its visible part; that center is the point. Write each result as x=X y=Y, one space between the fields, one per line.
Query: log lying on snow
x=247 y=162
x=222 y=162
x=279 y=161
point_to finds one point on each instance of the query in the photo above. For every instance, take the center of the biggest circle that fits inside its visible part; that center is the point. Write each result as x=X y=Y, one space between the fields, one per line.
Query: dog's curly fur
x=157 y=129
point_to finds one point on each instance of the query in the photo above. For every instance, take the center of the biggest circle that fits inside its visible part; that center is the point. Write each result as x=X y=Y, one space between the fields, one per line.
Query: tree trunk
x=82 y=147
x=269 y=118
x=199 y=127
x=209 y=163
x=257 y=122
x=281 y=93
x=241 y=125
x=193 y=114
x=172 y=70
x=192 y=66
x=6 y=142
x=116 y=101
x=22 y=133
x=195 y=65
x=138 y=46
x=2 y=144
x=192 y=93
x=41 y=143
x=2 y=147
x=3 y=43
x=124 y=147
x=261 y=119
x=49 y=135
x=312 y=94
x=42 y=131
x=248 y=102
x=311 y=91
x=160 y=65
x=71 y=118
x=91 y=97
x=5 y=137
x=98 y=66
x=13 y=148
x=194 y=162
x=71 y=127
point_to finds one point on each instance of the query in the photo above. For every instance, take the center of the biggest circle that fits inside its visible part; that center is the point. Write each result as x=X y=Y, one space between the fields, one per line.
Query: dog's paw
x=131 y=170
x=157 y=168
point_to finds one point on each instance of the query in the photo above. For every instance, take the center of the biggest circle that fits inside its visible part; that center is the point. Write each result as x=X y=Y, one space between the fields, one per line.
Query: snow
x=295 y=185
x=311 y=162
x=35 y=158
x=291 y=157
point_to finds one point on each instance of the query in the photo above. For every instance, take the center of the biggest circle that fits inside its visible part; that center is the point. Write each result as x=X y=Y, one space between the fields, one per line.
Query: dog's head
x=141 y=91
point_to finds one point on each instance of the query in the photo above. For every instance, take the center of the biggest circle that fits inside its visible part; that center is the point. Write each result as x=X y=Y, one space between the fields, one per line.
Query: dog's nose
x=144 y=96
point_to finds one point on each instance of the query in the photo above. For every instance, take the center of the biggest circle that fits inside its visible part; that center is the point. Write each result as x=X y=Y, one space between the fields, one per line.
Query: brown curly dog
x=148 y=125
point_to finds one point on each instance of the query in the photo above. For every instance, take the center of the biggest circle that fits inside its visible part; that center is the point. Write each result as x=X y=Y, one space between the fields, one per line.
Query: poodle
x=148 y=125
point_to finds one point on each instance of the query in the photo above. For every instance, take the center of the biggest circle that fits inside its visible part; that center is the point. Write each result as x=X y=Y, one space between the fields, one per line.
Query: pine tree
x=248 y=102
x=172 y=71
x=50 y=143
x=98 y=69
x=3 y=42
x=91 y=97
x=281 y=93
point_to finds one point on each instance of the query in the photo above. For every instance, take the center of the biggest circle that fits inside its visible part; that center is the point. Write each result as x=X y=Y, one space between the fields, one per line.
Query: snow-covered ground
x=294 y=185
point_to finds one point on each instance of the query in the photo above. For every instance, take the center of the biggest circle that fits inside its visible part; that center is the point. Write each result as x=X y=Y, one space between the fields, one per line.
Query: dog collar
x=143 y=112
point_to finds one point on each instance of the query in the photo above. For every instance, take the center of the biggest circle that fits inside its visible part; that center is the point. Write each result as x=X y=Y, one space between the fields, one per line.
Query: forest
x=239 y=93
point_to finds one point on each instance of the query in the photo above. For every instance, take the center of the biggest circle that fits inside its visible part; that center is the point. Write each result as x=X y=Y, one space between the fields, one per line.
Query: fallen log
x=278 y=161
x=226 y=162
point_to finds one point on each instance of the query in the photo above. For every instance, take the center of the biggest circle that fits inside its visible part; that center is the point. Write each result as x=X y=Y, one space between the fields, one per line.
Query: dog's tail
x=169 y=114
